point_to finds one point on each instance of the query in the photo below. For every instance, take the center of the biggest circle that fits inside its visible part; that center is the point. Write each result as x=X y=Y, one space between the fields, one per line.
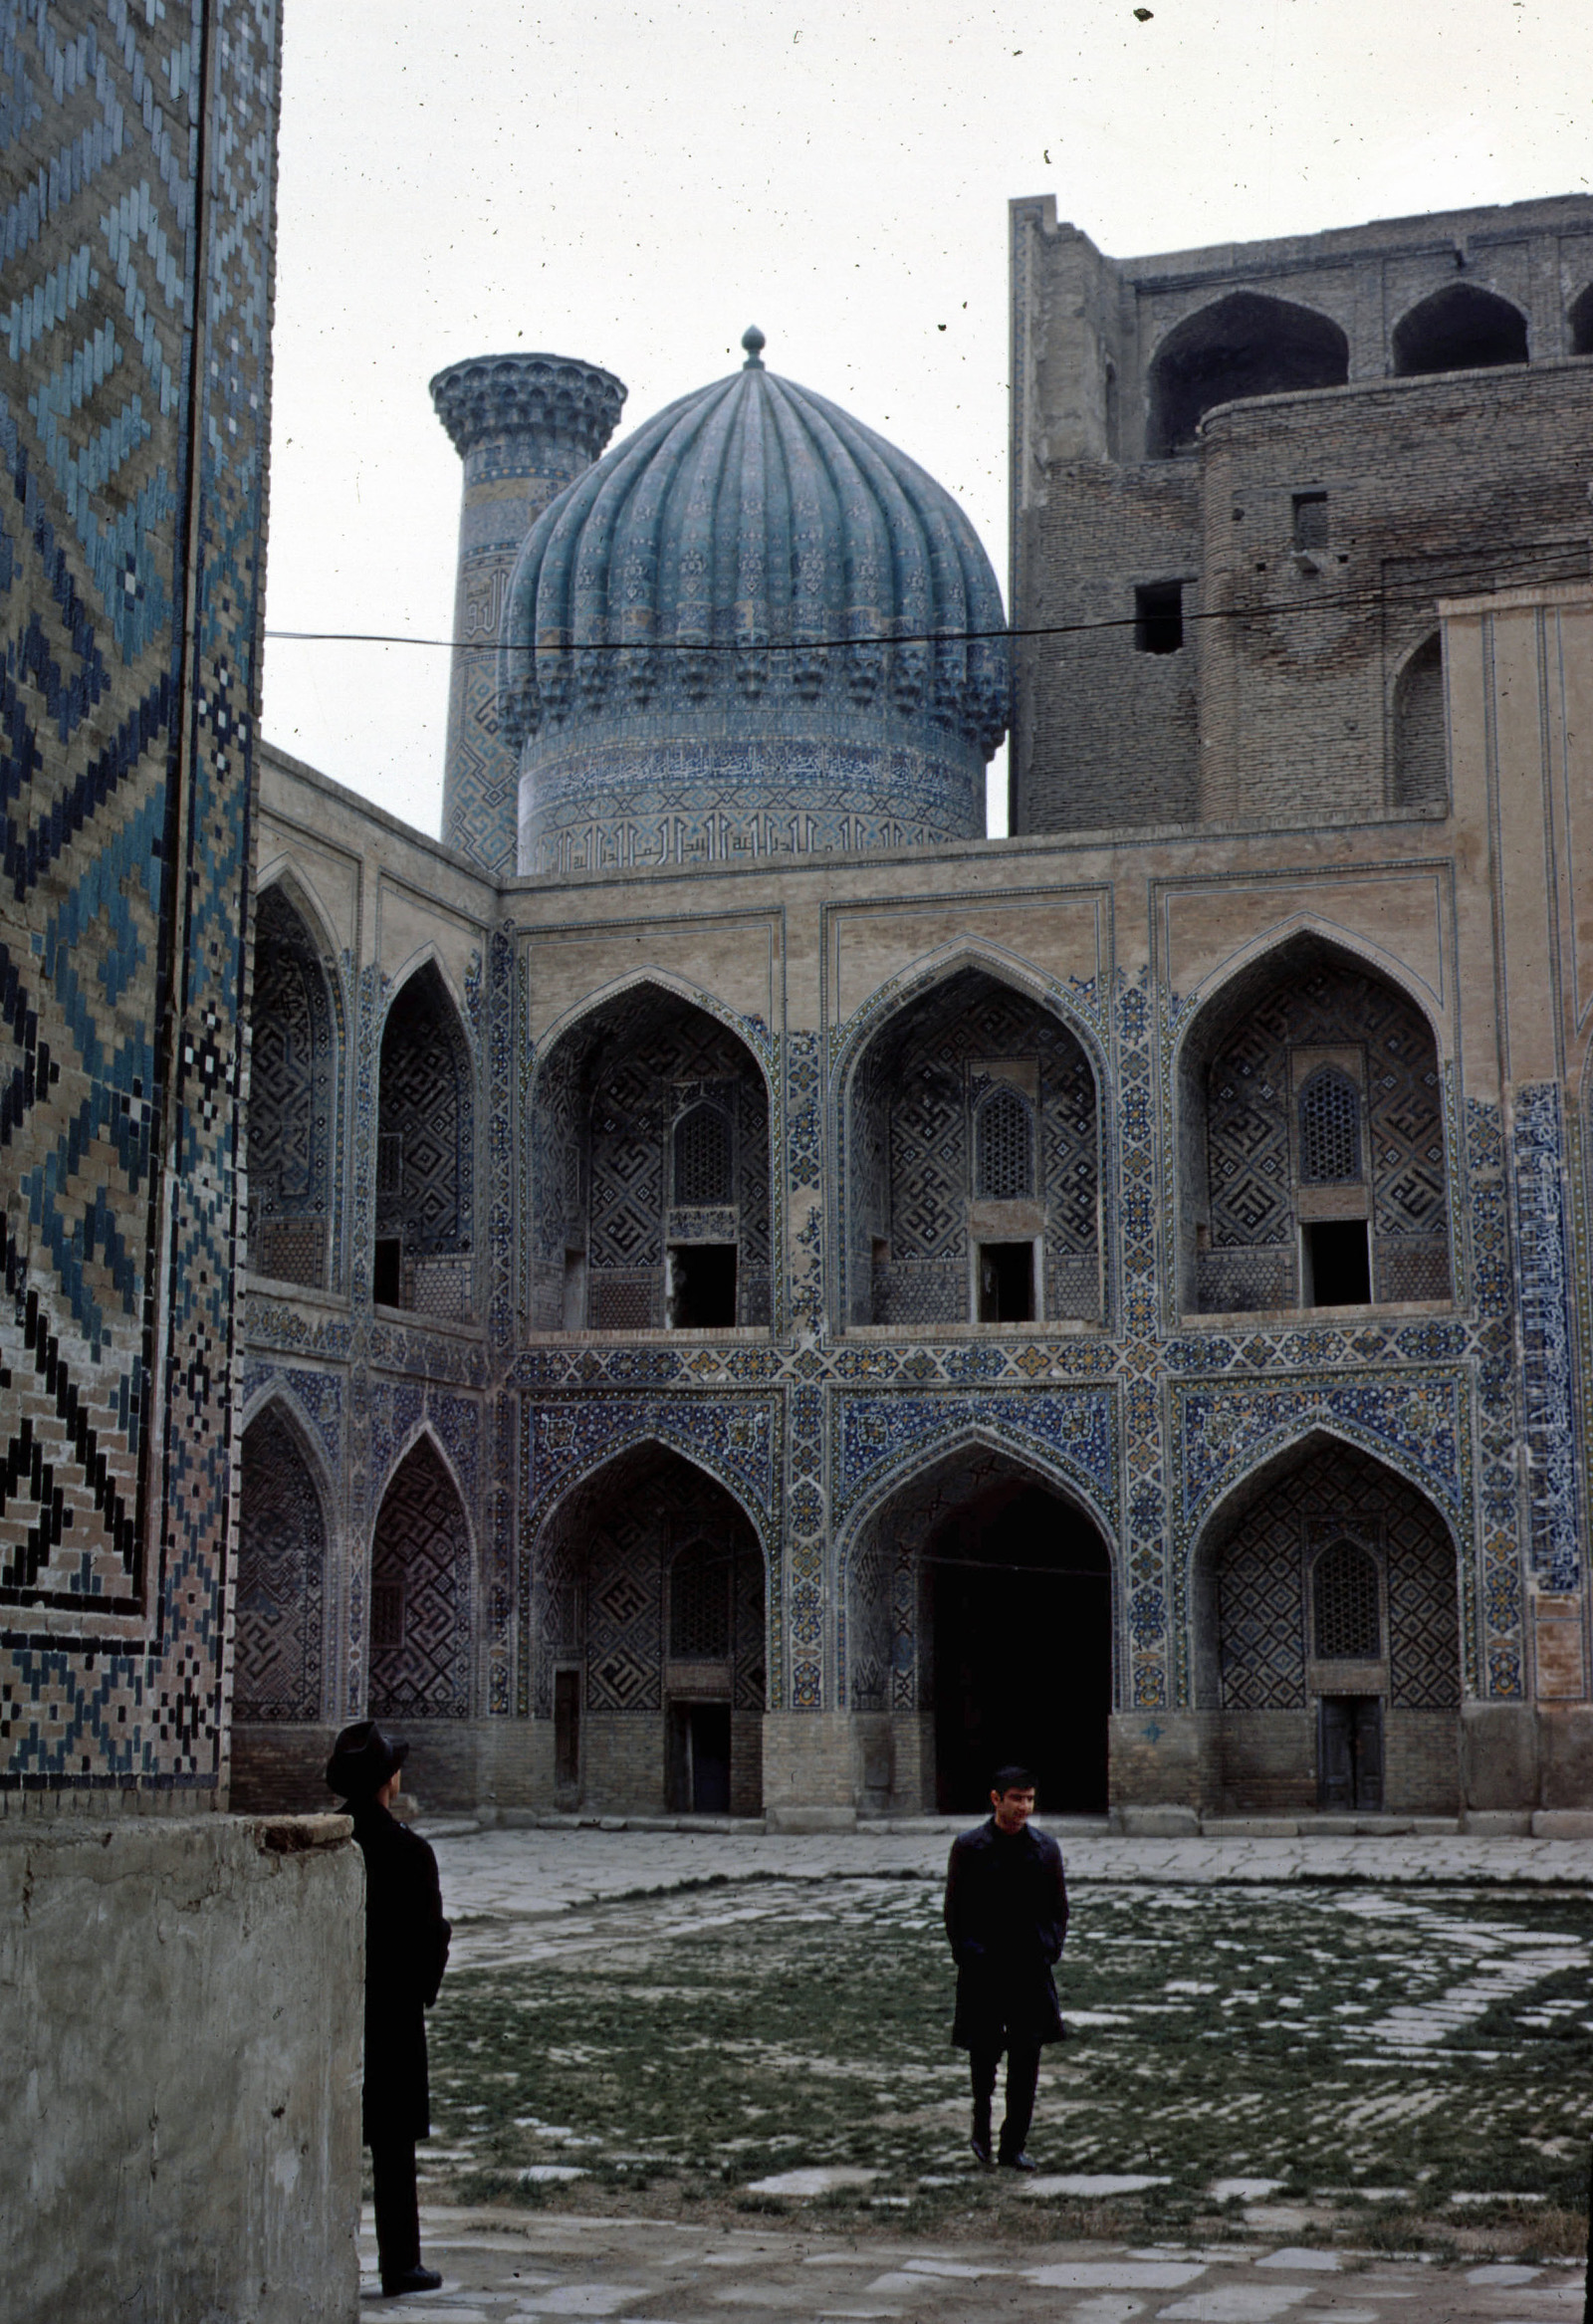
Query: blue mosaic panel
x=130 y=580
x=1548 y=1326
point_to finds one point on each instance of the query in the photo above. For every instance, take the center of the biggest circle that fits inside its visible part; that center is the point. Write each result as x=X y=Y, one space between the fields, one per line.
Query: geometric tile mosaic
x=279 y=1609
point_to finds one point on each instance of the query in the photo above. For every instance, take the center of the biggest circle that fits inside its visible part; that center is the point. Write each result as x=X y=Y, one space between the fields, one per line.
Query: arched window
x=1461 y=328
x=1580 y=319
x=699 y=1604
x=1003 y=1146
x=1239 y=347
x=420 y=1594
x=424 y=1154
x=1344 y=1604
x=1330 y=1129
x=703 y=1158
x=1420 y=770
x=290 y=1102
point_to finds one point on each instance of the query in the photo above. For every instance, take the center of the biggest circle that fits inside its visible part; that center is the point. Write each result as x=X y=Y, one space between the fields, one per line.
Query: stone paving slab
x=498 y=2265
x=529 y=1871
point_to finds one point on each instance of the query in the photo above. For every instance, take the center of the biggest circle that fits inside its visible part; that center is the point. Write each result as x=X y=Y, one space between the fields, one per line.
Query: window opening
x=699 y=1757
x=1330 y=1129
x=1349 y=1752
x=702 y=1157
x=702 y=1285
x=1338 y=1270
x=1310 y=519
x=1003 y=1147
x=1344 y=1601
x=1007 y=1283
x=699 y=1604
x=1159 y=617
x=387 y=1272
x=386 y=1613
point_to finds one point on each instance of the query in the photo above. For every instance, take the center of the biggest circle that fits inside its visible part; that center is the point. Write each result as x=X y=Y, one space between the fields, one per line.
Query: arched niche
x=1241 y=345
x=966 y=1091
x=1261 y=1228
x=647 y=1642
x=979 y=1630
x=1419 y=775
x=1461 y=328
x=1327 y=1652
x=651 y=1172
x=293 y=1071
x=1579 y=321
x=421 y=1596
x=279 y=1603
x=424 y=1153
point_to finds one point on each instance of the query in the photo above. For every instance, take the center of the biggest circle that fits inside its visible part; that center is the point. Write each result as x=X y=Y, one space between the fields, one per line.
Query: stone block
x=1498 y=1755
x=1167 y=1822
x=1497 y=1823
x=1249 y=1827
x=1565 y=1753
x=1564 y=1823
x=180 y=2077
x=811 y=1819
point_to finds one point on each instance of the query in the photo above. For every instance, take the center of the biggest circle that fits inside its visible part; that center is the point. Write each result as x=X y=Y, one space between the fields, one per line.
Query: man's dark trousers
x=392 y=2167
x=1022 y=2077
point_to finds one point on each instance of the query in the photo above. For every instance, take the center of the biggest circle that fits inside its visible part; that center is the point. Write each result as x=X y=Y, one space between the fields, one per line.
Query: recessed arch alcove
x=646 y=1642
x=293 y=1093
x=980 y=1628
x=1460 y=327
x=280 y=1615
x=425 y=1157
x=1239 y=347
x=1326 y=1631
x=651 y=1194
x=973 y=1161
x=1579 y=321
x=1269 y=1218
x=1419 y=762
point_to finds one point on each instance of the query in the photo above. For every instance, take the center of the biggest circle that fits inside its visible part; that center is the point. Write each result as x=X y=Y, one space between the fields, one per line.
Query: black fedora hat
x=362 y=1759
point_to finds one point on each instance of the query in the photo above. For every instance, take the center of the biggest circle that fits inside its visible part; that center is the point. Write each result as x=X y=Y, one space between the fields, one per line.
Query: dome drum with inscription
x=752 y=628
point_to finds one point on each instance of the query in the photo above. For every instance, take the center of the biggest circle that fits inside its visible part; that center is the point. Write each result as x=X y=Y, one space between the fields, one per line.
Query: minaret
x=524 y=427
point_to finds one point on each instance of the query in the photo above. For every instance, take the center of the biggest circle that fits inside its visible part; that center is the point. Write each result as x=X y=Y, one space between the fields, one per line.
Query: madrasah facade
x=764 y=1301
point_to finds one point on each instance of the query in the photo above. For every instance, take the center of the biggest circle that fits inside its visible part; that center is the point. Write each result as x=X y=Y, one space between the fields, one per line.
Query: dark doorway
x=1349 y=1767
x=699 y=1757
x=702 y=1285
x=1338 y=1271
x=1007 y=1283
x=566 y=1734
x=1021 y=1592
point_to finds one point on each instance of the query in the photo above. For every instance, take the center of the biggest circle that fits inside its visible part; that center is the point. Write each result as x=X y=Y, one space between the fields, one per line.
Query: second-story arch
x=1419 y=776
x=652 y=1196
x=1312 y=1139
x=1240 y=345
x=1461 y=328
x=425 y=1161
x=422 y=1593
x=972 y=1162
x=293 y=1097
x=1579 y=322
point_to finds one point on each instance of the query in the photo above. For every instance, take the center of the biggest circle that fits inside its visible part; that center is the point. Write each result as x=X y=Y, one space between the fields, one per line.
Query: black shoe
x=1016 y=2163
x=413 y=2279
x=979 y=2142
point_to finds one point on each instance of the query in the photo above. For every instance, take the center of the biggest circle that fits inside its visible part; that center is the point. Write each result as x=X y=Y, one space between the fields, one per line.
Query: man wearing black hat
x=407 y=1951
x=1006 y=1919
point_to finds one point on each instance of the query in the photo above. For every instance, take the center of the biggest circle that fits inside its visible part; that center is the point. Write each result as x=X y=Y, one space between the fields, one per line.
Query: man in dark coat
x=407 y=1951
x=1006 y=1919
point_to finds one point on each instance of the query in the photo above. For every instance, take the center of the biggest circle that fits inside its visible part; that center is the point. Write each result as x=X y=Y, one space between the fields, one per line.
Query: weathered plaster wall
x=181 y=2075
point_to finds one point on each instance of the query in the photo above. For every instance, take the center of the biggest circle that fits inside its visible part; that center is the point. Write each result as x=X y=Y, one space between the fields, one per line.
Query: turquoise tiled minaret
x=525 y=425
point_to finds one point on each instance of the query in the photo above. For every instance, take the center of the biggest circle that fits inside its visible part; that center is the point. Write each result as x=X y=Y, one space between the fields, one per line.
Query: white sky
x=635 y=184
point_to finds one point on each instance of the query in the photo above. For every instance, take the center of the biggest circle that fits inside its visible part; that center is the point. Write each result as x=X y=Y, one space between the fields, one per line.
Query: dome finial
x=752 y=339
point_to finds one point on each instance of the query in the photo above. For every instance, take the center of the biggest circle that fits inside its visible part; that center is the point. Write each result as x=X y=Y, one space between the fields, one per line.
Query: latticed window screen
x=1003 y=1147
x=1330 y=1129
x=386 y=1613
x=699 y=1604
x=1345 y=1595
x=702 y=1157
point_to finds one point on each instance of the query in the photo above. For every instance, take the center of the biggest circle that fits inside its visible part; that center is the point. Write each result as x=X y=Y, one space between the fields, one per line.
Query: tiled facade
x=135 y=396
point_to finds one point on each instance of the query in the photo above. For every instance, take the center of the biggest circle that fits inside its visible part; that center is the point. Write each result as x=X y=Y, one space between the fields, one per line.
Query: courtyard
x=697 y=2051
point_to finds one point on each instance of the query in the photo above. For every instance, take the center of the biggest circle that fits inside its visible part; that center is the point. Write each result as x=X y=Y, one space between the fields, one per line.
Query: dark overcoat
x=407 y=1951
x=1006 y=1919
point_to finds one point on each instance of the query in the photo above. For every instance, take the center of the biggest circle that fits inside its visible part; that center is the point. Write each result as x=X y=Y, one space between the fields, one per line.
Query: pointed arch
x=1241 y=345
x=613 y=1246
x=660 y=1437
x=1419 y=729
x=421 y=1591
x=425 y=1149
x=1460 y=327
x=294 y=1113
x=430 y=955
x=1251 y=1233
x=1579 y=321
x=284 y=871
x=280 y=1608
x=919 y=1467
x=910 y=1073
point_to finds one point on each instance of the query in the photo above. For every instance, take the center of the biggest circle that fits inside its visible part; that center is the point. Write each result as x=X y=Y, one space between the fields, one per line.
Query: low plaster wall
x=179 y=2077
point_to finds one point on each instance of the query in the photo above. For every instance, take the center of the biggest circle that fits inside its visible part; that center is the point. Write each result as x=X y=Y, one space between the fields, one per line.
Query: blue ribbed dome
x=754 y=613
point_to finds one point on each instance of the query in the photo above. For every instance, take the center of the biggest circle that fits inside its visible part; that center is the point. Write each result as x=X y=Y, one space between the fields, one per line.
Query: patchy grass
x=1373 y=2052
